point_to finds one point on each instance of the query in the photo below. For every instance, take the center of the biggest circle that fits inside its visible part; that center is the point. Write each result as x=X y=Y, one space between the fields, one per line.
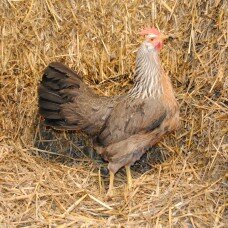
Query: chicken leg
x=111 y=184
x=129 y=178
x=112 y=177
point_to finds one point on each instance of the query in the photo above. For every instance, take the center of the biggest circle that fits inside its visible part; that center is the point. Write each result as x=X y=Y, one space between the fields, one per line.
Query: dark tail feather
x=46 y=94
x=56 y=88
x=50 y=105
x=49 y=114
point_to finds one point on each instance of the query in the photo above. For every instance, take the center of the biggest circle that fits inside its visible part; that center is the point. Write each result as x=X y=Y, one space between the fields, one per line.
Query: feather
x=156 y=123
x=48 y=105
x=49 y=114
x=55 y=75
x=49 y=95
x=57 y=66
x=51 y=85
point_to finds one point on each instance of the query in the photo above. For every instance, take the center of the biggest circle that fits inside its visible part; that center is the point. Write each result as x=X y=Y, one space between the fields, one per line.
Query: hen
x=122 y=127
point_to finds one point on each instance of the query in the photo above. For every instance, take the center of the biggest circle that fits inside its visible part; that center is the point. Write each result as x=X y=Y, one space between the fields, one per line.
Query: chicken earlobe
x=66 y=102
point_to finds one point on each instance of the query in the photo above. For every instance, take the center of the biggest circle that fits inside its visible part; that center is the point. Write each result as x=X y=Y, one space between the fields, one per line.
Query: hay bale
x=99 y=39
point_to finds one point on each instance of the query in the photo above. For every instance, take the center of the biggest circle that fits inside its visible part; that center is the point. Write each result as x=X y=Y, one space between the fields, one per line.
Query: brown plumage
x=122 y=127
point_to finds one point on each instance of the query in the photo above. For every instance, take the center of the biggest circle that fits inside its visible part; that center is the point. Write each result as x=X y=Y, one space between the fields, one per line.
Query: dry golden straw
x=99 y=39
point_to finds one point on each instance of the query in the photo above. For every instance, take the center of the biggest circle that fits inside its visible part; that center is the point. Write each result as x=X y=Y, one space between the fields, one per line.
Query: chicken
x=122 y=127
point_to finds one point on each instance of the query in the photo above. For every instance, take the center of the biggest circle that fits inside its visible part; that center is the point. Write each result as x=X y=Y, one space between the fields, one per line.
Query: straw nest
x=51 y=178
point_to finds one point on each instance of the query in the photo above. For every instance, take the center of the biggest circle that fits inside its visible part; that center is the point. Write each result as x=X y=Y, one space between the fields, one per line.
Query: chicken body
x=122 y=127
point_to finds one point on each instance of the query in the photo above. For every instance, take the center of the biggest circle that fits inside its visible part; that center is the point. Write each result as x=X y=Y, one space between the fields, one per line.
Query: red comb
x=148 y=31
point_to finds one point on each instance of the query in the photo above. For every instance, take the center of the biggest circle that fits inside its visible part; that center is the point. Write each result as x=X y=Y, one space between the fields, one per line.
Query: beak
x=164 y=37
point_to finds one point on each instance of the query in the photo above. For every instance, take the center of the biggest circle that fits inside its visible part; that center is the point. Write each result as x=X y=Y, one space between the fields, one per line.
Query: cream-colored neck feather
x=147 y=78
